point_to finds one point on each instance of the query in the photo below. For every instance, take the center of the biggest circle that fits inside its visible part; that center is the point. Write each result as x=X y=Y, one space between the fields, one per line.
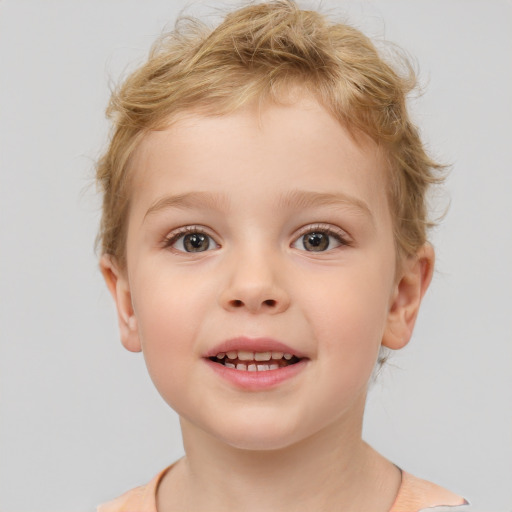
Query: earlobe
x=409 y=290
x=118 y=285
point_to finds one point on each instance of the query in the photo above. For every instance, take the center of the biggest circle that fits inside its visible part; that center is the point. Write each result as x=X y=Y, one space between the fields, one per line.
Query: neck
x=332 y=470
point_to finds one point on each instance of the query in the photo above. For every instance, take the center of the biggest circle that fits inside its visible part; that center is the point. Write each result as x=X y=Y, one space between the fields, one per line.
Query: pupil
x=196 y=242
x=316 y=241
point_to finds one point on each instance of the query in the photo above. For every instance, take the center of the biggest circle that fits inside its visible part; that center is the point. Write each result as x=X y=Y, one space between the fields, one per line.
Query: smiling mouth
x=254 y=361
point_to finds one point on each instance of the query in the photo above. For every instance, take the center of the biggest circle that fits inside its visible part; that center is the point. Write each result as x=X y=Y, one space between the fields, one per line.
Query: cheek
x=168 y=304
x=167 y=323
x=349 y=316
x=171 y=310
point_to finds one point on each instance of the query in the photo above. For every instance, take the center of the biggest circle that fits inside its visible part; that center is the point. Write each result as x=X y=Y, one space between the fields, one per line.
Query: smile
x=244 y=360
x=256 y=364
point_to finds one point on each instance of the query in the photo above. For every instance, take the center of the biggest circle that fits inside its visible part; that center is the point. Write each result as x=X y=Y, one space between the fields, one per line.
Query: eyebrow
x=295 y=198
x=308 y=199
x=189 y=200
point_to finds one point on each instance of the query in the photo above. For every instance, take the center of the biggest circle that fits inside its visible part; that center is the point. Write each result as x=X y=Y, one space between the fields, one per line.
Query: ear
x=118 y=285
x=413 y=281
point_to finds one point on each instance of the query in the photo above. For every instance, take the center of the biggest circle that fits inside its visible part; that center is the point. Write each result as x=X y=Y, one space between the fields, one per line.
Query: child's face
x=259 y=232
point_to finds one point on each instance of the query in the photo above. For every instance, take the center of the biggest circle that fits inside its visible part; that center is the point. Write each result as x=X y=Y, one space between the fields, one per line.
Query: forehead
x=264 y=150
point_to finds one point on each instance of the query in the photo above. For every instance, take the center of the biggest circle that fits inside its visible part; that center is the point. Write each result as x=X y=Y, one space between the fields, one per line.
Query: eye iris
x=316 y=241
x=196 y=242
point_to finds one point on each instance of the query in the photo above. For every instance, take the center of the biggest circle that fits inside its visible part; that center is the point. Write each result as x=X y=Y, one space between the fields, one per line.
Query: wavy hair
x=258 y=53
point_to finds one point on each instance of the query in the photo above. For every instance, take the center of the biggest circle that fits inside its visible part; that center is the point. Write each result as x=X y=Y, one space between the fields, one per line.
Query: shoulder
x=416 y=494
x=133 y=499
x=140 y=499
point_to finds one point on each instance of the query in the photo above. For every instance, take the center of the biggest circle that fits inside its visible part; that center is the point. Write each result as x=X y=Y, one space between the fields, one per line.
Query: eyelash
x=173 y=237
x=339 y=235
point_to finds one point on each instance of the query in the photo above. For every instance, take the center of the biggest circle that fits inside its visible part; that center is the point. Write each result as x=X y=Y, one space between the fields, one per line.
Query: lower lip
x=257 y=381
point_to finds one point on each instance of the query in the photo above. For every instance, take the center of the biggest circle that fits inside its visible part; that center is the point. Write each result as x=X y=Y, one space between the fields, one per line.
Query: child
x=264 y=239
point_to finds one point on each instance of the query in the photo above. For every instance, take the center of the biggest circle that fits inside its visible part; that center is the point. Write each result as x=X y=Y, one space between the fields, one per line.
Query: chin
x=254 y=434
x=254 y=427
x=259 y=443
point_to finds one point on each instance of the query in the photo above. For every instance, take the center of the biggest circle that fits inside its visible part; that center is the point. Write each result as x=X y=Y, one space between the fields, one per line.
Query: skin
x=246 y=181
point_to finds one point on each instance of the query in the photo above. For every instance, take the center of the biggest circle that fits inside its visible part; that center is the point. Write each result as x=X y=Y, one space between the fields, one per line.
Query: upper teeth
x=244 y=355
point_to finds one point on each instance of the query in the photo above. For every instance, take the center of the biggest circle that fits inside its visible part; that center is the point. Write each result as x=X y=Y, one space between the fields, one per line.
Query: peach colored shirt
x=414 y=495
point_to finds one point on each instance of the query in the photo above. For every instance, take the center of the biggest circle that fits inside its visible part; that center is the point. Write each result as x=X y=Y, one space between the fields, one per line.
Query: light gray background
x=80 y=420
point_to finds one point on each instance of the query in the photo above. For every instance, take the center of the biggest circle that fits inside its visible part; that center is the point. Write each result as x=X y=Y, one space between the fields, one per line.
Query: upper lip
x=253 y=345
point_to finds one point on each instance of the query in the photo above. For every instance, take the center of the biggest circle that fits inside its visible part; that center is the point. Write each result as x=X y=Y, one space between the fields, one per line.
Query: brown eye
x=319 y=240
x=315 y=241
x=191 y=241
x=196 y=242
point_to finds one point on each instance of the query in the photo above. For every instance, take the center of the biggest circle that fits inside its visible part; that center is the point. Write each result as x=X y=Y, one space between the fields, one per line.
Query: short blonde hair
x=257 y=53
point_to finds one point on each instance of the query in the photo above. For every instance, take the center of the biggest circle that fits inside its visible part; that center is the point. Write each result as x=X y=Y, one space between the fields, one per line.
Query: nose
x=255 y=285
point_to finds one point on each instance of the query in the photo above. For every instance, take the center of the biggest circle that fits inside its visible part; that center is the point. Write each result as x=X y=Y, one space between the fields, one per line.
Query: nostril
x=237 y=303
x=270 y=302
